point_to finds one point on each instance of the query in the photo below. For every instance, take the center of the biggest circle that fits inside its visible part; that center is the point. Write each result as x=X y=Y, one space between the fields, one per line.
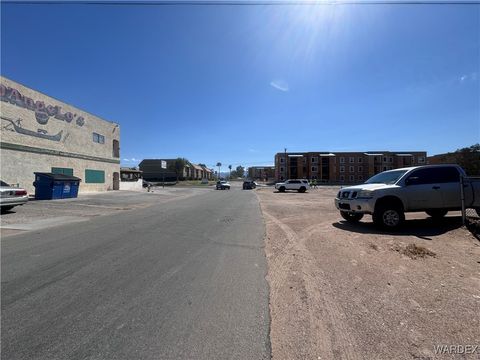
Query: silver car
x=11 y=196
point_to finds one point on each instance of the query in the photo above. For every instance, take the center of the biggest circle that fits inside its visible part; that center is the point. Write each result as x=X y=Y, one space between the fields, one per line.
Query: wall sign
x=41 y=133
x=43 y=111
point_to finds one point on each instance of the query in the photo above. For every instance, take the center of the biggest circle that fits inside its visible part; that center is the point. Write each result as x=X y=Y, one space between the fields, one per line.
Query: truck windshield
x=387 y=177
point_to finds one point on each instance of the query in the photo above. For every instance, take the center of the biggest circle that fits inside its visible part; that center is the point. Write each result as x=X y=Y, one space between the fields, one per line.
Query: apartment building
x=342 y=167
x=153 y=171
x=263 y=173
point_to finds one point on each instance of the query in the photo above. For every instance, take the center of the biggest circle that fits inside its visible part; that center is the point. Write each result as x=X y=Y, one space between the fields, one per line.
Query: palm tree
x=230 y=168
x=219 y=164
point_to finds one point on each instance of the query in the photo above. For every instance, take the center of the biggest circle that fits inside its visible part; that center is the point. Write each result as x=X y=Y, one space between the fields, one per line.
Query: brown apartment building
x=342 y=167
x=264 y=173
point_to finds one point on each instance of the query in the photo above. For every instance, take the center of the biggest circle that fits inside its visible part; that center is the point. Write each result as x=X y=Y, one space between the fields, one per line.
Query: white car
x=11 y=196
x=300 y=185
x=223 y=185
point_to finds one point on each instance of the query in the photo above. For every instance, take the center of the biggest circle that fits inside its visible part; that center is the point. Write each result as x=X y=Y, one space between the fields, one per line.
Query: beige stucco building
x=42 y=134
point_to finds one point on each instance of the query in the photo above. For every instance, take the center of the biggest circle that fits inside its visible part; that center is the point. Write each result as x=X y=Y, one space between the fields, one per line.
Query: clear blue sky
x=238 y=84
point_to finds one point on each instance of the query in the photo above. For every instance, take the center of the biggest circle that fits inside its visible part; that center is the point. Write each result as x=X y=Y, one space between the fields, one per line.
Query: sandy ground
x=342 y=291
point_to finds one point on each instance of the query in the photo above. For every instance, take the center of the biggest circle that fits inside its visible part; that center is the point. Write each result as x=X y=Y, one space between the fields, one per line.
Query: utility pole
x=219 y=164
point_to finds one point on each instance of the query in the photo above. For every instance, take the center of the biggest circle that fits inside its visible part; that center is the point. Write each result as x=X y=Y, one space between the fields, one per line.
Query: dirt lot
x=342 y=291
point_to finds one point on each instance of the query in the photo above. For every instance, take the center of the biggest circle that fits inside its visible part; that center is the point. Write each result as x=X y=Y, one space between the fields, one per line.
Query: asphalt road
x=183 y=280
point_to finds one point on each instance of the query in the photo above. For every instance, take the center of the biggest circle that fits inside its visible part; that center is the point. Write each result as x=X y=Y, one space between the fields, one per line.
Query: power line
x=240 y=2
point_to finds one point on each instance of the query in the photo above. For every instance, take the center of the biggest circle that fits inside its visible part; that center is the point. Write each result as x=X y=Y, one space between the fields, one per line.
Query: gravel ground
x=342 y=291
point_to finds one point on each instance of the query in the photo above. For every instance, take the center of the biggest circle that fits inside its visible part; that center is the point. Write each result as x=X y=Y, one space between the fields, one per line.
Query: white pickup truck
x=300 y=185
x=387 y=196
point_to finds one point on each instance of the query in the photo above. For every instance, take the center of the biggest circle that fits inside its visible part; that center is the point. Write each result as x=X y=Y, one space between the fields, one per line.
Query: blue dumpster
x=50 y=186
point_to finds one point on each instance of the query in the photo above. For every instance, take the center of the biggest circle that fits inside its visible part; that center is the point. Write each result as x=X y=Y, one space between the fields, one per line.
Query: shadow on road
x=290 y=192
x=421 y=228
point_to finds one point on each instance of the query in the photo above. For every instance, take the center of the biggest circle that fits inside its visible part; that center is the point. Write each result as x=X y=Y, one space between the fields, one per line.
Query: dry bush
x=414 y=251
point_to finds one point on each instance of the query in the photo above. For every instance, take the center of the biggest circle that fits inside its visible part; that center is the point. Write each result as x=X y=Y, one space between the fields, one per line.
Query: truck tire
x=351 y=217
x=388 y=216
x=437 y=213
x=282 y=189
x=302 y=189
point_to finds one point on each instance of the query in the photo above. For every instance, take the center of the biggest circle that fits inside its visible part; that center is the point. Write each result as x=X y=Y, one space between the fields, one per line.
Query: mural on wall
x=43 y=111
x=16 y=126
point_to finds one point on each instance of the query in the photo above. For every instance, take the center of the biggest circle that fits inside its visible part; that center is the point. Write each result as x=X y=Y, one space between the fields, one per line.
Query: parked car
x=301 y=185
x=387 y=196
x=249 y=184
x=223 y=185
x=11 y=196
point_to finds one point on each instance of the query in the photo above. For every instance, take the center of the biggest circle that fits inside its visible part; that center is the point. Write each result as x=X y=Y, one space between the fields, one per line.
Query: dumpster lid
x=58 y=176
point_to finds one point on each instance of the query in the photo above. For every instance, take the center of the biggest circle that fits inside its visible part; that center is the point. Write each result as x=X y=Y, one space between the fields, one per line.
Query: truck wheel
x=388 y=216
x=282 y=189
x=351 y=217
x=437 y=213
x=302 y=189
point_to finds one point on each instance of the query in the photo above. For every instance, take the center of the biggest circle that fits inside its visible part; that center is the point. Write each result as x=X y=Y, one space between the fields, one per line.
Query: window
x=352 y=178
x=390 y=159
x=384 y=159
x=360 y=177
x=384 y=168
x=360 y=168
x=342 y=160
x=94 y=176
x=351 y=159
x=64 y=171
x=313 y=159
x=342 y=168
x=434 y=176
x=314 y=169
x=360 y=160
x=116 y=149
x=98 y=138
x=281 y=169
x=421 y=159
x=342 y=178
x=282 y=160
x=386 y=178
x=351 y=169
